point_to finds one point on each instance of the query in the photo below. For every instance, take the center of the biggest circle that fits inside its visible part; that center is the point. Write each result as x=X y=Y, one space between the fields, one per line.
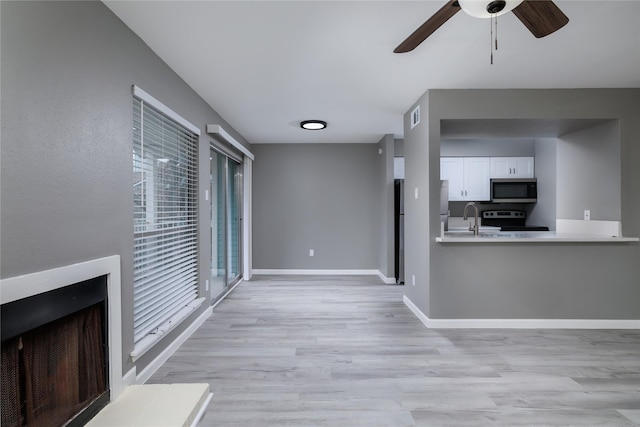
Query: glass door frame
x=234 y=201
x=228 y=280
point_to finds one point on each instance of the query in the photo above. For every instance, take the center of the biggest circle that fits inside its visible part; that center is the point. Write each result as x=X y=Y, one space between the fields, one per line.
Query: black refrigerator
x=398 y=214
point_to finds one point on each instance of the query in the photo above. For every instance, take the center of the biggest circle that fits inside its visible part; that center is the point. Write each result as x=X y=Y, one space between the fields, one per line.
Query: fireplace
x=54 y=359
x=61 y=345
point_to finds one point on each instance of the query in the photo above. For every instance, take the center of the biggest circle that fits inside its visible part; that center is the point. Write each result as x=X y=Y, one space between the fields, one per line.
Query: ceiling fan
x=541 y=17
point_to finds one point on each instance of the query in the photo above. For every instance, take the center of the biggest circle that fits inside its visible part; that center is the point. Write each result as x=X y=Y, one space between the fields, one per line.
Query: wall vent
x=415 y=117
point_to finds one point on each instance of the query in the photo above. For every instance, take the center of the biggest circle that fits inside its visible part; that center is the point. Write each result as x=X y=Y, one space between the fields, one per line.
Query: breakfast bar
x=567 y=231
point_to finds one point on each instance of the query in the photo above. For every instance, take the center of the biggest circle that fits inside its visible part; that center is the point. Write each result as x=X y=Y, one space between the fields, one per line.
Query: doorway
x=225 y=187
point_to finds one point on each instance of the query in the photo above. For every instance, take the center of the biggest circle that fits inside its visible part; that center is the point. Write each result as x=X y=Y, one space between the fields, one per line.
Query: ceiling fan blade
x=541 y=17
x=425 y=30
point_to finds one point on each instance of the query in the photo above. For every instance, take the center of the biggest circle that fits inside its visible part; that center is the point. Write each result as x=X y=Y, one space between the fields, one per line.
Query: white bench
x=157 y=405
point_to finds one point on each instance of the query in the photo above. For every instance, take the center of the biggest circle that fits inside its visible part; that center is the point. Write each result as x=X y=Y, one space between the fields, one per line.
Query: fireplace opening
x=54 y=361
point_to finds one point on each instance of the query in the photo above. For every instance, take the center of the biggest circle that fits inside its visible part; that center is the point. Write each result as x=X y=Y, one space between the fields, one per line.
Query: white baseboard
x=130 y=378
x=385 y=279
x=415 y=310
x=226 y=293
x=323 y=272
x=520 y=323
x=150 y=369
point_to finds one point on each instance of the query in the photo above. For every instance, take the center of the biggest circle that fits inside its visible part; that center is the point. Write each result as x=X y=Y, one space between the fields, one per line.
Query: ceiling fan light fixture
x=313 y=124
x=482 y=8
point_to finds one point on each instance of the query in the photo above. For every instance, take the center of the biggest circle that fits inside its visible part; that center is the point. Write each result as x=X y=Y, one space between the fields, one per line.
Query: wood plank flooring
x=346 y=351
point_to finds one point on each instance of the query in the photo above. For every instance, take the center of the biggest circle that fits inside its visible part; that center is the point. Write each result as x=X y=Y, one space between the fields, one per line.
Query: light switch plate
x=587 y=215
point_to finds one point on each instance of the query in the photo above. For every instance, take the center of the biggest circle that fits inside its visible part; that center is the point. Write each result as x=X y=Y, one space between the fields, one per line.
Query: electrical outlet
x=206 y=285
x=587 y=215
x=415 y=193
x=311 y=252
x=413 y=279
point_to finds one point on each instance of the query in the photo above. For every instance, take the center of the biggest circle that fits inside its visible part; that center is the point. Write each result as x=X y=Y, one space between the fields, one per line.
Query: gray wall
x=385 y=207
x=544 y=212
x=488 y=147
x=67 y=71
x=398 y=147
x=588 y=173
x=324 y=197
x=521 y=280
x=419 y=160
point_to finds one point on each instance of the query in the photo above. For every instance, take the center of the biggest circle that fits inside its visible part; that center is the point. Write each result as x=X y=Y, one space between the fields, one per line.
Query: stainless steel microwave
x=514 y=190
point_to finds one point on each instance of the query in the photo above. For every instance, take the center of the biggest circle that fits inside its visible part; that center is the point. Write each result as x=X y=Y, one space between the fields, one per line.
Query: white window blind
x=165 y=216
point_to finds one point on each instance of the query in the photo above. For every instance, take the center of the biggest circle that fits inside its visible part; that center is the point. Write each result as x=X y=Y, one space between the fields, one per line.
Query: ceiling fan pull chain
x=491 y=33
x=496 y=39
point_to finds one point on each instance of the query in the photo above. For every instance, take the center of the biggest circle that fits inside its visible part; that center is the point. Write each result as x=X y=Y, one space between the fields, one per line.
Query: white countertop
x=526 y=237
x=569 y=231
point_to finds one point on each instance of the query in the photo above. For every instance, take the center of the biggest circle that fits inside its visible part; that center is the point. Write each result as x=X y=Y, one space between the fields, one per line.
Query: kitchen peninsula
x=567 y=231
x=586 y=151
x=530 y=237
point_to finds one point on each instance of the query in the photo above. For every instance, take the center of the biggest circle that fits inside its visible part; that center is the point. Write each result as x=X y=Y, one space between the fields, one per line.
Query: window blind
x=165 y=217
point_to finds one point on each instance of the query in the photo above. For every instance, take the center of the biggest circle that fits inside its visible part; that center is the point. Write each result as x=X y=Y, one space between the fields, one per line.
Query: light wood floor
x=345 y=351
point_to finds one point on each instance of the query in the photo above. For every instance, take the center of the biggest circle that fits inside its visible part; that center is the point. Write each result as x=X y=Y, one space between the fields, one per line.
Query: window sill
x=146 y=343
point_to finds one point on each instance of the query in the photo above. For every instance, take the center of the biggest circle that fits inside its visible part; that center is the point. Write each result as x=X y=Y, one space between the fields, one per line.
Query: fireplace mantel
x=19 y=287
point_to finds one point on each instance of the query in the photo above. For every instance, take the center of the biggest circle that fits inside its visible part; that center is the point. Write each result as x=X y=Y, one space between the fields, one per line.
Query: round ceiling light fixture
x=313 y=124
x=488 y=8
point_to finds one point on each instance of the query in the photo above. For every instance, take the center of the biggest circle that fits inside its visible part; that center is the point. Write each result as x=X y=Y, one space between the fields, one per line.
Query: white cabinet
x=452 y=169
x=512 y=167
x=476 y=178
x=468 y=177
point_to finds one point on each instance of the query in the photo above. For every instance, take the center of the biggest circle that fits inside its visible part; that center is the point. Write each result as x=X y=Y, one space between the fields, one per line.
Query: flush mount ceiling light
x=313 y=124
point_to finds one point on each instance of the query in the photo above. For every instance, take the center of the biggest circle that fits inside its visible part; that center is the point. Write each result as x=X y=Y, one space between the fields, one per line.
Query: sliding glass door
x=234 y=210
x=226 y=208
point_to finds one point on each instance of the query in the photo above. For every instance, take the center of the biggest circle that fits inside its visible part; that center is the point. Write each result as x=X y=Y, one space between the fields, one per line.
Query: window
x=165 y=191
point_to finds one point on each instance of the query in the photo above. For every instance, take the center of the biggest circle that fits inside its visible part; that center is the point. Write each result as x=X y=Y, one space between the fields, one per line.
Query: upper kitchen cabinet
x=512 y=167
x=468 y=177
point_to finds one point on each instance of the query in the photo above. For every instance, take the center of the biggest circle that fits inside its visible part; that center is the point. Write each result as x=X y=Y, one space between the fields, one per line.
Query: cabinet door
x=522 y=167
x=500 y=167
x=452 y=169
x=476 y=178
x=512 y=167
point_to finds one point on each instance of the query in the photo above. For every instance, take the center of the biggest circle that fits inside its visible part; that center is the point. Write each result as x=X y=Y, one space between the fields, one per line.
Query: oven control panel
x=515 y=214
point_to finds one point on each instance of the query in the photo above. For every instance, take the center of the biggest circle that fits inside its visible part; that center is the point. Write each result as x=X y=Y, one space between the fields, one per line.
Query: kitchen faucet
x=474 y=227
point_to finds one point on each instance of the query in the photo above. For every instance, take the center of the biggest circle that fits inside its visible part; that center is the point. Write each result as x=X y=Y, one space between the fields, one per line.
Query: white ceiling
x=266 y=65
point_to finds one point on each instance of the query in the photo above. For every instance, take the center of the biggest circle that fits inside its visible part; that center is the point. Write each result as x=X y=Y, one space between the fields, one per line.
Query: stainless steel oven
x=509 y=220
